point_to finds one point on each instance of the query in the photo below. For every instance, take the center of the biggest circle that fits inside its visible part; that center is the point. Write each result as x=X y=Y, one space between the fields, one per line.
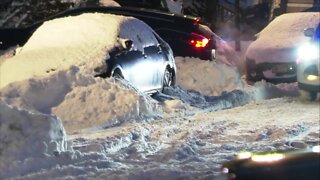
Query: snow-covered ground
x=66 y=124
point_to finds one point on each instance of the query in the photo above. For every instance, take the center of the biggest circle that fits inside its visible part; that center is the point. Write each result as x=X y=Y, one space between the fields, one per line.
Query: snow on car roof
x=284 y=32
x=82 y=41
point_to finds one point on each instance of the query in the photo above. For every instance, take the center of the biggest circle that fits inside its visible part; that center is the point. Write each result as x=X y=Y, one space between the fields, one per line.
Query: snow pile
x=207 y=77
x=279 y=39
x=80 y=101
x=32 y=142
x=25 y=135
x=83 y=41
x=263 y=90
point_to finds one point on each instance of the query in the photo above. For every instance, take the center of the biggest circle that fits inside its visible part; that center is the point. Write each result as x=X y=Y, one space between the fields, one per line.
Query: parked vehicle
x=308 y=65
x=185 y=34
x=146 y=61
x=272 y=56
x=140 y=55
x=289 y=165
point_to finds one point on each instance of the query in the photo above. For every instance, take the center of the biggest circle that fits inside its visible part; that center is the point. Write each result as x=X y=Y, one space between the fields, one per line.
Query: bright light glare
x=225 y=170
x=308 y=51
x=200 y=43
x=316 y=149
x=267 y=157
x=244 y=155
x=312 y=78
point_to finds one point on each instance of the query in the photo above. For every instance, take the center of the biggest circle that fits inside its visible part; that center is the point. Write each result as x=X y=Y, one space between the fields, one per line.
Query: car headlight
x=308 y=51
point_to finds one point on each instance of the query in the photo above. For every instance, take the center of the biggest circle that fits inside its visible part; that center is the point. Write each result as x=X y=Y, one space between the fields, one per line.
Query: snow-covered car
x=272 y=56
x=105 y=45
x=293 y=165
x=308 y=65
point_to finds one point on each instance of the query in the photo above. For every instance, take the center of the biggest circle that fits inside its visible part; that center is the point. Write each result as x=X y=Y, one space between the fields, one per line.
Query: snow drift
x=28 y=135
x=211 y=79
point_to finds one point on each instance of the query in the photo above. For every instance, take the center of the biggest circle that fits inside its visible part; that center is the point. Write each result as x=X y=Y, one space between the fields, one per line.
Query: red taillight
x=196 y=21
x=199 y=41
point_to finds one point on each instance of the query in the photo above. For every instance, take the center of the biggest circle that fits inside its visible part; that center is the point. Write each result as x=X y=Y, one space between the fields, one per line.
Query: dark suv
x=186 y=35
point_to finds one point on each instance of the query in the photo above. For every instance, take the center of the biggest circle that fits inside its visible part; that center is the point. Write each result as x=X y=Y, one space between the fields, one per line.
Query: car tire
x=117 y=75
x=249 y=69
x=168 y=79
x=308 y=95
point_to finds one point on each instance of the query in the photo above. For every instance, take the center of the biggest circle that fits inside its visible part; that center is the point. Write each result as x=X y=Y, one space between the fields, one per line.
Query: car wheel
x=308 y=95
x=251 y=73
x=117 y=75
x=168 y=78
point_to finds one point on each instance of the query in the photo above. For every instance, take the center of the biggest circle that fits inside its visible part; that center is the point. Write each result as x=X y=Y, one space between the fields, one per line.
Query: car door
x=140 y=63
x=154 y=55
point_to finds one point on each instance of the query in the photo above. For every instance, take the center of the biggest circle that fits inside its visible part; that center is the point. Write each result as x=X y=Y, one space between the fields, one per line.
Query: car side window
x=128 y=31
x=137 y=31
x=173 y=36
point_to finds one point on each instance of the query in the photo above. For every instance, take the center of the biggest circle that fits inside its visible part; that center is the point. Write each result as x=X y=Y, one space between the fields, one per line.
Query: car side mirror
x=309 y=32
x=159 y=48
x=128 y=44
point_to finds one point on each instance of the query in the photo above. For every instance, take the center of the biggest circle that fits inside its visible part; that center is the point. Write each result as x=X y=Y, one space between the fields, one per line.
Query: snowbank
x=30 y=142
x=207 y=77
x=27 y=135
x=281 y=37
x=80 y=101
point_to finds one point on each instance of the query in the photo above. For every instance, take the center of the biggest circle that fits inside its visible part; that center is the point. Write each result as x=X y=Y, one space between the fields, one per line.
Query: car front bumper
x=308 y=75
x=273 y=72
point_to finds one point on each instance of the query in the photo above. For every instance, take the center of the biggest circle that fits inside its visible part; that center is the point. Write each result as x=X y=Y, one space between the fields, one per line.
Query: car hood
x=272 y=55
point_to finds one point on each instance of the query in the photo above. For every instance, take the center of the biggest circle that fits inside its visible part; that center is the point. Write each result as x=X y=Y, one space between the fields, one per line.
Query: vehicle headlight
x=268 y=157
x=308 y=51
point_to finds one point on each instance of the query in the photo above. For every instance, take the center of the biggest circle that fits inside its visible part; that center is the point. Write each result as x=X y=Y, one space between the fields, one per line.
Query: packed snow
x=68 y=124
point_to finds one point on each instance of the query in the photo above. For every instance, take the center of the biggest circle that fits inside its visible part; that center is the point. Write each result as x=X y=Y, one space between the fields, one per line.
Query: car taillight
x=199 y=41
x=196 y=21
